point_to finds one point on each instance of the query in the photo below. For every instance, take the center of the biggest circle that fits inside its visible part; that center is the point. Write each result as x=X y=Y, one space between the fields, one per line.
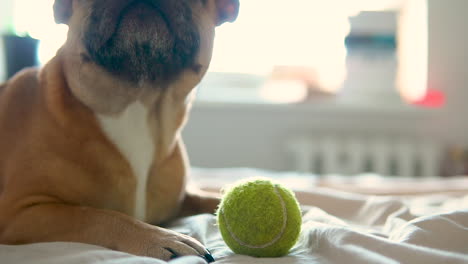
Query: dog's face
x=155 y=41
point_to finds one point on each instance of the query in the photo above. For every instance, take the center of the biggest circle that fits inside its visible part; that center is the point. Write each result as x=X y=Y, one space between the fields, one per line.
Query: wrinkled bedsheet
x=427 y=226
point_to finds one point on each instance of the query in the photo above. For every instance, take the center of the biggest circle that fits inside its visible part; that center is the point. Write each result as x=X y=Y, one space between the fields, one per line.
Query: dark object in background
x=455 y=162
x=20 y=52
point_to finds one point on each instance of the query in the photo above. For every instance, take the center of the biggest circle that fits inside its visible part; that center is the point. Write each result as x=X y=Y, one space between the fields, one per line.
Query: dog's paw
x=166 y=244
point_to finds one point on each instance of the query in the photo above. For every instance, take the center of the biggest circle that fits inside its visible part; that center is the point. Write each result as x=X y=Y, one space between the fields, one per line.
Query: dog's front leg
x=110 y=229
x=197 y=201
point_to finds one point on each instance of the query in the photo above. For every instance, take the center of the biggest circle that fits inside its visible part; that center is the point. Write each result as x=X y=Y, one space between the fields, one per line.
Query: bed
x=360 y=219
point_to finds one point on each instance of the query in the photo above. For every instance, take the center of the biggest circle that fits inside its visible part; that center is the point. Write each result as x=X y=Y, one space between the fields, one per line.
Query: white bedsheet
x=338 y=227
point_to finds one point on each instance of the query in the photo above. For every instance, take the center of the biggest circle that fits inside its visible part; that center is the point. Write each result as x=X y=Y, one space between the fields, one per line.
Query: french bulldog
x=90 y=145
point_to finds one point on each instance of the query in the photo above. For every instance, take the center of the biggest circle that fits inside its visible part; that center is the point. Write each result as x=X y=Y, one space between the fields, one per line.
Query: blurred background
x=325 y=87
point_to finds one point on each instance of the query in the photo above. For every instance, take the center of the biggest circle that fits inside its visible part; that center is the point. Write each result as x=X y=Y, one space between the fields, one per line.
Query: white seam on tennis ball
x=275 y=239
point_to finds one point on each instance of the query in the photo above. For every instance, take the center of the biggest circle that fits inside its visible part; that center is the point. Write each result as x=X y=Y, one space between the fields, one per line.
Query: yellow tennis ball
x=259 y=218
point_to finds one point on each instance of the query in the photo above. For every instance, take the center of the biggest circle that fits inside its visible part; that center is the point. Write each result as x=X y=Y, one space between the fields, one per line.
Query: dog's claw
x=209 y=258
x=174 y=255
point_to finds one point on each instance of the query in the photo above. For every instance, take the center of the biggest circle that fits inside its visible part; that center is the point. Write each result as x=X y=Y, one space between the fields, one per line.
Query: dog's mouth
x=143 y=40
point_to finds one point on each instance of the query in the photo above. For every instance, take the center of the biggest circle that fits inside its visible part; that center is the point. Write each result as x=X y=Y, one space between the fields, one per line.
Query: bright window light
x=413 y=51
x=36 y=19
x=271 y=33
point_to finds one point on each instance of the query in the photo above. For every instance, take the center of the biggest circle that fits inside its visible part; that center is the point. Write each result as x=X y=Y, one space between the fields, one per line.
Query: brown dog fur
x=63 y=179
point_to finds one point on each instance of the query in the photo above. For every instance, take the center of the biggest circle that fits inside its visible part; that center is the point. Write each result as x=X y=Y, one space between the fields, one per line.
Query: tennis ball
x=259 y=218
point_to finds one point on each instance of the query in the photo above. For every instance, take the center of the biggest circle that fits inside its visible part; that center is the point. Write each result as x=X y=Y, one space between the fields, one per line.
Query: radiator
x=356 y=154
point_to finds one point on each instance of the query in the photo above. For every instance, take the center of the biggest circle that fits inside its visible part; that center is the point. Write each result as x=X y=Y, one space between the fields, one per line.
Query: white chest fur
x=131 y=134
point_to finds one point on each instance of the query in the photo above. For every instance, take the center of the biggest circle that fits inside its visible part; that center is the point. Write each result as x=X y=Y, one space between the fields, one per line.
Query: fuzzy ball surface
x=259 y=218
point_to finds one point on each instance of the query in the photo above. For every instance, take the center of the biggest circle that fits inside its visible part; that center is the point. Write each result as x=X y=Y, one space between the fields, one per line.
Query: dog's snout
x=153 y=40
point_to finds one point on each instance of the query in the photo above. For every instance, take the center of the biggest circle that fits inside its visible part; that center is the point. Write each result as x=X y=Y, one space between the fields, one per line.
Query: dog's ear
x=227 y=10
x=63 y=10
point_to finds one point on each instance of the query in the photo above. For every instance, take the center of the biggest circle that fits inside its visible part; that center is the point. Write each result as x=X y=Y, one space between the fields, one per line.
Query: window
x=339 y=51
